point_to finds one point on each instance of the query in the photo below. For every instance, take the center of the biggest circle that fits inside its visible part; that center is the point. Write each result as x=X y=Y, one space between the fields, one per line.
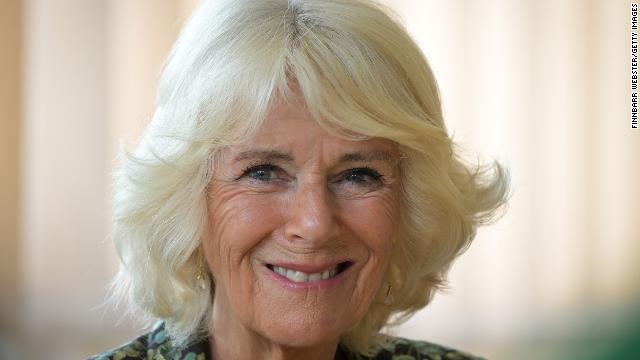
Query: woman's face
x=300 y=229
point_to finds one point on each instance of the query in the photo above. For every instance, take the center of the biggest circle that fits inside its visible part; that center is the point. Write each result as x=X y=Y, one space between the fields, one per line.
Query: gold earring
x=388 y=299
x=201 y=282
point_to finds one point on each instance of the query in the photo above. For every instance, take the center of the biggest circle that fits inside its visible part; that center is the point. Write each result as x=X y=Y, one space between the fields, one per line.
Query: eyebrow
x=263 y=155
x=384 y=156
x=273 y=155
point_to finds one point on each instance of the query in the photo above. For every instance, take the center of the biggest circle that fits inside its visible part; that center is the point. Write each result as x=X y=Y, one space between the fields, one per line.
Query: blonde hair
x=358 y=71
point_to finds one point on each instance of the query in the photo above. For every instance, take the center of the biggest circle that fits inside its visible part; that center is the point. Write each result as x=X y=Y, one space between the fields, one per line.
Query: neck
x=223 y=350
x=232 y=340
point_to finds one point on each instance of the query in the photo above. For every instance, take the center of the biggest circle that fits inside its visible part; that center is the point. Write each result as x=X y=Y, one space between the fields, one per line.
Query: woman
x=296 y=190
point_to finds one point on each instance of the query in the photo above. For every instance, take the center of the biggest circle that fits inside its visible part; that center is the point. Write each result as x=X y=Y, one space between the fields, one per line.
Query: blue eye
x=265 y=172
x=363 y=176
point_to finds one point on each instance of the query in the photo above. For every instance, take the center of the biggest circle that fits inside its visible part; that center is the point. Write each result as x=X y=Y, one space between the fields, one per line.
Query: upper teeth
x=299 y=276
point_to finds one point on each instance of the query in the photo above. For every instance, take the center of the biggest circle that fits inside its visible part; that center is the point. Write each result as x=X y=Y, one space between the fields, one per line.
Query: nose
x=312 y=215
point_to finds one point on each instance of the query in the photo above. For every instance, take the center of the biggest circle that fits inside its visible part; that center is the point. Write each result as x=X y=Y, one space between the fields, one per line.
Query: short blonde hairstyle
x=358 y=71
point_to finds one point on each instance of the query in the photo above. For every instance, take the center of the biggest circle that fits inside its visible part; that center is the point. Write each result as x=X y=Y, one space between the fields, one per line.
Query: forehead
x=291 y=128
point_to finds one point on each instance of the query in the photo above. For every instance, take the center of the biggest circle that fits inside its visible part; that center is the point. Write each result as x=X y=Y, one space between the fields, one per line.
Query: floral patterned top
x=156 y=346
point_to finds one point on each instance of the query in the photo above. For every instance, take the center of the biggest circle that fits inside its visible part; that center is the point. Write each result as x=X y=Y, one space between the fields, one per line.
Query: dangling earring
x=201 y=282
x=388 y=299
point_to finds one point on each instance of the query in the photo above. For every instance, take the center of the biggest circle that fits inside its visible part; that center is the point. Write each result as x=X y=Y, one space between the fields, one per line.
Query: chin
x=302 y=336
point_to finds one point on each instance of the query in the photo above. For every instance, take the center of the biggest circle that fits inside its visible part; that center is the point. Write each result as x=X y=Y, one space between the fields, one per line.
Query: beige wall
x=64 y=224
x=90 y=71
x=10 y=129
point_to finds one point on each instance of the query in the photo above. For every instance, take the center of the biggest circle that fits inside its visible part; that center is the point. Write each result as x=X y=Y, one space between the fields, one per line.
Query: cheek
x=373 y=219
x=238 y=222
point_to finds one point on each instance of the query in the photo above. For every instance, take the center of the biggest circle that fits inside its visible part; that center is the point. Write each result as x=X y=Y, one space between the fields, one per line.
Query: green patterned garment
x=156 y=346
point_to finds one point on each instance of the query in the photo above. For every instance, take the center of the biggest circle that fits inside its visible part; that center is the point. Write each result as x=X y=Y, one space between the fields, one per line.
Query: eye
x=362 y=176
x=263 y=173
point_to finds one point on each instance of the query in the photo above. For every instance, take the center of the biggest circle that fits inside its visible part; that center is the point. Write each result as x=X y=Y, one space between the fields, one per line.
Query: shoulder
x=154 y=345
x=405 y=349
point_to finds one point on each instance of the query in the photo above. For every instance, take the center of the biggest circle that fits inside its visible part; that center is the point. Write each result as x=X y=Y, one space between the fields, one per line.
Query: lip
x=308 y=268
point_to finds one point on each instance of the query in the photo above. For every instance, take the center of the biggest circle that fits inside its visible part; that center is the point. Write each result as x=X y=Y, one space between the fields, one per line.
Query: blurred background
x=542 y=85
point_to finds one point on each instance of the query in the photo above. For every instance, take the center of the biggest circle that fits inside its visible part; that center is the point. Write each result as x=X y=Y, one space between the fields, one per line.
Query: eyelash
x=253 y=167
x=359 y=171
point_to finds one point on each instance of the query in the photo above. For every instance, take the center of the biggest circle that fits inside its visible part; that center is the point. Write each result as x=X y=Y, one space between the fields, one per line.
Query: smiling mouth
x=303 y=277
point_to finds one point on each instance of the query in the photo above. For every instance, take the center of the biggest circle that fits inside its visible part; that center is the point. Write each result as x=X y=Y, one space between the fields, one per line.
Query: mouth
x=305 y=277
